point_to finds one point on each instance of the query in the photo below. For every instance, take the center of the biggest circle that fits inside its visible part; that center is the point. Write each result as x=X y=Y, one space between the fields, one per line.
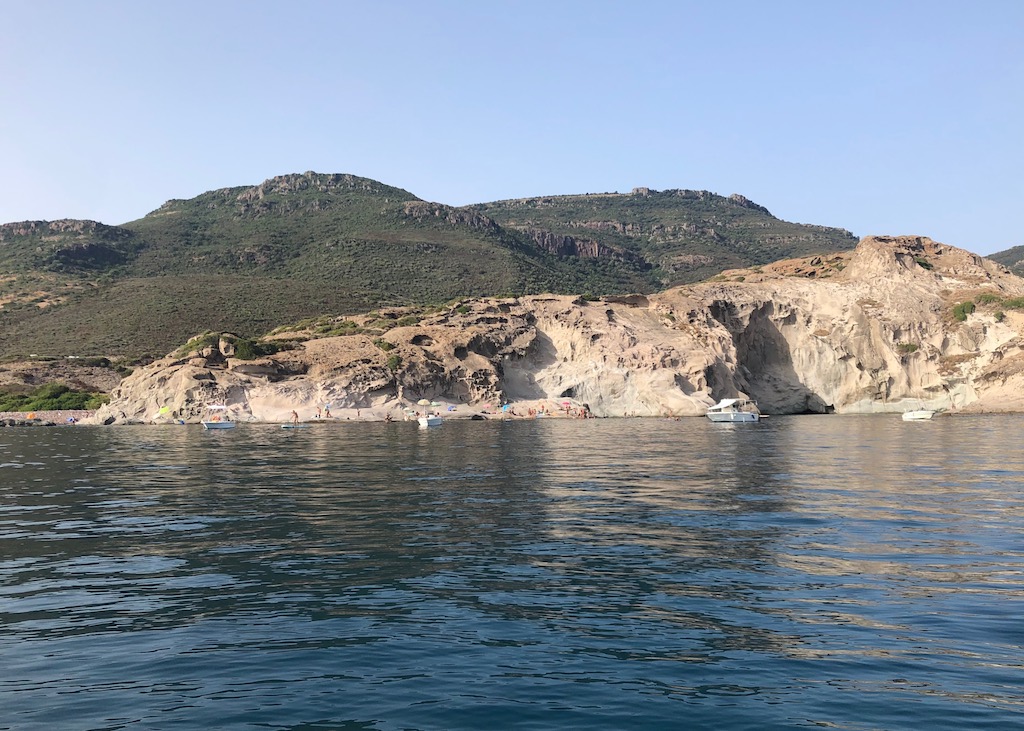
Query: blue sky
x=879 y=117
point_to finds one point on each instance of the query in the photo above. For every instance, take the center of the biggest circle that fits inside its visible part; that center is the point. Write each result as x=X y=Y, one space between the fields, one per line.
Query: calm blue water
x=845 y=572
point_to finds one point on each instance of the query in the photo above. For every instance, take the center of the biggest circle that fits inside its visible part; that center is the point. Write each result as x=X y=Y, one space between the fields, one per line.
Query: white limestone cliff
x=870 y=330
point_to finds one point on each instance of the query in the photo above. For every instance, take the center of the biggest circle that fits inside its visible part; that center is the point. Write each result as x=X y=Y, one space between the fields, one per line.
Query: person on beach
x=295 y=416
x=327 y=411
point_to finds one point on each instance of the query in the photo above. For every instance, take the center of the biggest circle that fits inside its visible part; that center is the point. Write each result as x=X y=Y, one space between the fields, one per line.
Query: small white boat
x=430 y=420
x=217 y=417
x=918 y=415
x=734 y=410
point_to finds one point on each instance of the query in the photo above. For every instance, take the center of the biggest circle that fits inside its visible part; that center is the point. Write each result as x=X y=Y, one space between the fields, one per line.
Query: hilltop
x=683 y=235
x=250 y=258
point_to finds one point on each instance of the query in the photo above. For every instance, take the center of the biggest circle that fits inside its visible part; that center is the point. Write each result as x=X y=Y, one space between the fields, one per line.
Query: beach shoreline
x=60 y=417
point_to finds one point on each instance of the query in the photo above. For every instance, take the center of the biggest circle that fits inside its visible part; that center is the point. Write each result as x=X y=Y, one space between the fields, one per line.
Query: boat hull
x=429 y=420
x=218 y=425
x=734 y=417
x=921 y=415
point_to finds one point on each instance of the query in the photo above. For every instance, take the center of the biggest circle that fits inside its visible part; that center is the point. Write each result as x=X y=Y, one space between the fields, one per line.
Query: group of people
x=322 y=412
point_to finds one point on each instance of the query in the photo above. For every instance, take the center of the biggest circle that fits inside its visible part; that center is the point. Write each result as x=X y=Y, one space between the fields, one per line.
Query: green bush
x=1000 y=316
x=246 y=349
x=987 y=298
x=394 y=362
x=51 y=397
x=962 y=310
x=205 y=340
x=383 y=344
x=907 y=348
x=924 y=263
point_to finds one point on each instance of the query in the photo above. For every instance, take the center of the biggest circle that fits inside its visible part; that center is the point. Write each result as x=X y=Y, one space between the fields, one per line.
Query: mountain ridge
x=304 y=244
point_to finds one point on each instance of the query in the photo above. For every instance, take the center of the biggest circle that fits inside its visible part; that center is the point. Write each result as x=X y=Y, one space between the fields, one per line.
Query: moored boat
x=430 y=420
x=918 y=415
x=217 y=417
x=734 y=410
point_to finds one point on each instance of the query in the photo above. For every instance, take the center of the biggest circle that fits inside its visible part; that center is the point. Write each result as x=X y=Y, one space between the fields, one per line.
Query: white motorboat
x=918 y=415
x=217 y=417
x=734 y=410
x=430 y=420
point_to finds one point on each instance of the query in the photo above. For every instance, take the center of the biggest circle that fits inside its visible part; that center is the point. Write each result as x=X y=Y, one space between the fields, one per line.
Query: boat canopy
x=731 y=402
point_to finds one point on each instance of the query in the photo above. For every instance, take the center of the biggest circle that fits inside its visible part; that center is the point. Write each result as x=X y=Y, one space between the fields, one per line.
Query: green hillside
x=684 y=235
x=1012 y=259
x=65 y=246
x=247 y=259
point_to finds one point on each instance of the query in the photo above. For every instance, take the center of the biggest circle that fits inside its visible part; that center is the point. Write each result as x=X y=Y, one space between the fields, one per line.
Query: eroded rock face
x=869 y=330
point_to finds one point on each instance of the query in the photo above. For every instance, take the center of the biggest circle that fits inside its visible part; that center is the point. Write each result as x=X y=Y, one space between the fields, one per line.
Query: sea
x=840 y=572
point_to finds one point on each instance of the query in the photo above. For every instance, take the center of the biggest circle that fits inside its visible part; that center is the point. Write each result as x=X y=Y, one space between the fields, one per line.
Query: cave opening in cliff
x=765 y=368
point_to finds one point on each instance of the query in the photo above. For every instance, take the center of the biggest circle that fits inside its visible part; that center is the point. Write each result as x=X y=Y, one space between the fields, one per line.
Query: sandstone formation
x=898 y=323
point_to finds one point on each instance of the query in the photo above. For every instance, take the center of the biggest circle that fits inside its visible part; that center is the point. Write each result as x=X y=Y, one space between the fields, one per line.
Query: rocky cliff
x=898 y=323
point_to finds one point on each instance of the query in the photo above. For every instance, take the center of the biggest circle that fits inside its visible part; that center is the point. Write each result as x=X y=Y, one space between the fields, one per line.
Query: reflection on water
x=603 y=574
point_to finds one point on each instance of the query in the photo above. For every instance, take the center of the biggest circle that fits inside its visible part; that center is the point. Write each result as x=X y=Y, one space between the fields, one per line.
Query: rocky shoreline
x=899 y=324
x=68 y=417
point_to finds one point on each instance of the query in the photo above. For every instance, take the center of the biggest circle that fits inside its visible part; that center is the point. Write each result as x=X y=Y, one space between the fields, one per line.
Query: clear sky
x=879 y=117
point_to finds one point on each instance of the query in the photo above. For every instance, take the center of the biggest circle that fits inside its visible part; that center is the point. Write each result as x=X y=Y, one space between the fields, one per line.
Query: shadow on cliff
x=518 y=377
x=764 y=361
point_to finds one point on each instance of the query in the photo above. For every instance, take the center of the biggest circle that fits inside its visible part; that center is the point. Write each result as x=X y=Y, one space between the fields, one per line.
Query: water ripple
x=850 y=573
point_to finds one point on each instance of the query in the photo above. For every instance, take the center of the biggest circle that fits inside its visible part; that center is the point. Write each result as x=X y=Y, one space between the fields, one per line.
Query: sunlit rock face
x=898 y=323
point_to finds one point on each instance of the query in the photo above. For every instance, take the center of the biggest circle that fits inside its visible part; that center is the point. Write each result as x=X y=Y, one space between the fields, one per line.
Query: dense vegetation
x=992 y=302
x=247 y=259
x=51 y=397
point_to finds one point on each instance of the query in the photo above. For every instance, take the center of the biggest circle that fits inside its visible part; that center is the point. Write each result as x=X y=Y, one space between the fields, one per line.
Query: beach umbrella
x=423 y=402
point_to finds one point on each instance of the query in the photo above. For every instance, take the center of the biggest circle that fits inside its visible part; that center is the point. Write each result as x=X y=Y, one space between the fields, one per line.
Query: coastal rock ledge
x=896 y=324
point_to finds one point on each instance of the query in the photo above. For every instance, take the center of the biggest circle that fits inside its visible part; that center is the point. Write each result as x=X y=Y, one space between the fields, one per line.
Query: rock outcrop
x=898 y=323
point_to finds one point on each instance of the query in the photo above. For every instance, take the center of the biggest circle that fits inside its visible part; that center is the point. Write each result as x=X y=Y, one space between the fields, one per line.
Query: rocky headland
x=898 y=323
